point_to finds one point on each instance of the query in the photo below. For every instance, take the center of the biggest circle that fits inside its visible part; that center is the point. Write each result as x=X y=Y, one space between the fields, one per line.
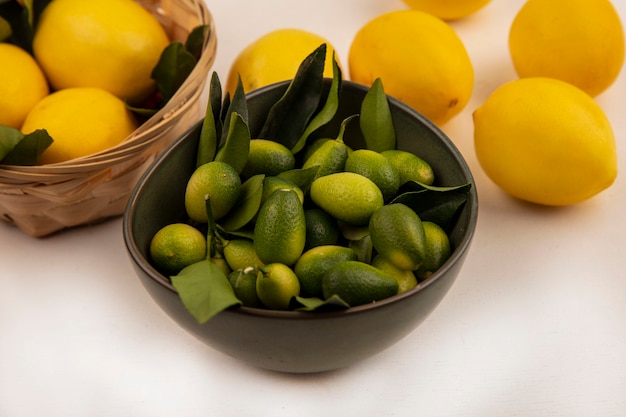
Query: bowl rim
x=457 y=254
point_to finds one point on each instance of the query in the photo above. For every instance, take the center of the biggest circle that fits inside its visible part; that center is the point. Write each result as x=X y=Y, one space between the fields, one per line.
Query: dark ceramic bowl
x=291 y=341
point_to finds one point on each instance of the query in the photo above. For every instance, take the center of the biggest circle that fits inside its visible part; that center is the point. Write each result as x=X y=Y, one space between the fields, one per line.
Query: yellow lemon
x=81 y=121
x=420 y=60
x=448 y=9
x=111 y=44
x=276 y=57
x=578 y=41
x=545 y=141
x=22 y=85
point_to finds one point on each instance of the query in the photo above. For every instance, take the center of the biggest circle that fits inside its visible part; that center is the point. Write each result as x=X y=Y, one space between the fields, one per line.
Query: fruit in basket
x=22 y=85
x=419 y=58
x=82 y=121
x=578 y=41
x=274 y=57
x=111 y=44
x=448 y=9
x=116 y=46
x=545 y=141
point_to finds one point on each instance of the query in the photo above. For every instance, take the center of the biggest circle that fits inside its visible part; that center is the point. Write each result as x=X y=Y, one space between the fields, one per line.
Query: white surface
x=534 y=326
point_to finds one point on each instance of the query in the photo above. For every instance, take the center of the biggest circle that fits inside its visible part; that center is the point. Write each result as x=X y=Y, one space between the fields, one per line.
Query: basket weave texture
x=41 y=200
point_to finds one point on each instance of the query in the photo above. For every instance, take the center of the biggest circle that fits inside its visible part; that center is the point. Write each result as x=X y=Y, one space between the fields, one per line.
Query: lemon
x=111 y=44
x=420 y=60
x=398 y=234
x=437 y=250
x=22 y=85
x=81 y=121
x=280 y=229
x=267 y=157
x=276 y=285
x=240 y=254
x=410 y=167
x=448 y=9
x=358 y=283
x=220 y=183
x=175 y=246
x=276 y=56
x=406 y=279
x=377 y=168
x=578 y=41
x=348 y=197
x=545 y=141
x=314 y=263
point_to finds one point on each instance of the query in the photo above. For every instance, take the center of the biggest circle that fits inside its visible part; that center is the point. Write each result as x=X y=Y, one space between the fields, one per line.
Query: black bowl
x=290 y=341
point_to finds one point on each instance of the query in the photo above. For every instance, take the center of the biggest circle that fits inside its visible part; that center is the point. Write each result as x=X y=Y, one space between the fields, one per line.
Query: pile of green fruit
x=290 y=220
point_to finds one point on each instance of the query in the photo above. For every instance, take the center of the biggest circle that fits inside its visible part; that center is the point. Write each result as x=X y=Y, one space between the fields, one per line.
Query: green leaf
x=215 y=100
x=288 y=117
x=195 y=41
x=226 y=106
x=431 y=203
x=207 y=144
x=376 y=122
x=247 y=206
x=241 y=233
x=21 y=20
x=28 y=150
x=9 y=137
x=302 y=177
x=238 y=104
x=5 y=29
x=327 y=112
x=237 y=146
x=204 y=290
x=174 y=66
x=316 y=304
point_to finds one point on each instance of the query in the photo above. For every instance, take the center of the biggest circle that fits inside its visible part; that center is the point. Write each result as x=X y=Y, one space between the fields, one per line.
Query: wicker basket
x=41 y=200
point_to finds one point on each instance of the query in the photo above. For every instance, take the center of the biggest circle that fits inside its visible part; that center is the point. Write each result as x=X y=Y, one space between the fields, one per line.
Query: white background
x=534 y=326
